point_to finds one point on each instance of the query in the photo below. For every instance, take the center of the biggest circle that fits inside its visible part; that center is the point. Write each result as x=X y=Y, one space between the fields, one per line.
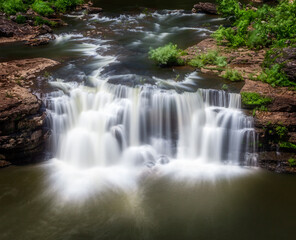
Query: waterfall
x=115 y=124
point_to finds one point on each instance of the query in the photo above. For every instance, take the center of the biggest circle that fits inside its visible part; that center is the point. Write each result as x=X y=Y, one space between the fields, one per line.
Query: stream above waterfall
x=137 y=151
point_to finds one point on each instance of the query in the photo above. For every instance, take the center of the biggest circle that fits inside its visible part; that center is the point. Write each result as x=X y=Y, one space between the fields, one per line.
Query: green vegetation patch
x=292 y=162
x=11 y=7
x=287 y=145
x=209 y=58
x=257 y=28
x=275 y=77
x=42 y=8
x=168 y=55
x=254 y=99
x=232 y=75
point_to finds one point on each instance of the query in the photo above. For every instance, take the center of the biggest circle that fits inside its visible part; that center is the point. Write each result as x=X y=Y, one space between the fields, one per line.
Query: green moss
x=292 y=162
x=224 y=87
x=168 y=55
x=254 y=99
x=232 y=75
x=209 y=58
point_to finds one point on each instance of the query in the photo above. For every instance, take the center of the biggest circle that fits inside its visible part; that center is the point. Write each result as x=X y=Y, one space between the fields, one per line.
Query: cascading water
x=110 y=127
x=114 y=124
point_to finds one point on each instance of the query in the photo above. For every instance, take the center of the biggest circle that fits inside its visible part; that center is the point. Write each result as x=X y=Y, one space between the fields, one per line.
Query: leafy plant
x=64 y=5
x=292 y=162
x=224 y=87
x=11 y=7
x=43 y=8
x=209 y=58
x=275 y=76
x=287 y=145
x=232 y=75
x=20 y=19
x=168 y=55
x=254 y=99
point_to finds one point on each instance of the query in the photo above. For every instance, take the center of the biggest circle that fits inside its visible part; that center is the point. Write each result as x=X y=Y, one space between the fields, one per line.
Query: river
x=136 y=151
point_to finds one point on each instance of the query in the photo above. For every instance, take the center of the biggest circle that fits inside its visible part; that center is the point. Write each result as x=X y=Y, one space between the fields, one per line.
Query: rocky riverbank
x=22 y=118
x=276 y=124
x=35 y=29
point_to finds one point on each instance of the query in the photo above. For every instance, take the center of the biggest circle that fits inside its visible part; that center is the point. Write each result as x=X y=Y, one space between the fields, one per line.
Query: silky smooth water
x=139 y=152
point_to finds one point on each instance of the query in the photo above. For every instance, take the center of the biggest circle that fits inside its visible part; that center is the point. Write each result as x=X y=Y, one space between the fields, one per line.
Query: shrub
x=167 y=55
x=11 y=7
x=20 y=19
x=287 y=145
x=209 y=58
x=275 y=77
x=43 y=8
x=232 y=75
x=64 y=5
x=292 y=162
x=257 y=29
x=254 y=99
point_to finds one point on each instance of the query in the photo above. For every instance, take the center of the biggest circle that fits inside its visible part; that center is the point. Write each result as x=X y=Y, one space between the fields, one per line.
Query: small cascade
x=115 y=124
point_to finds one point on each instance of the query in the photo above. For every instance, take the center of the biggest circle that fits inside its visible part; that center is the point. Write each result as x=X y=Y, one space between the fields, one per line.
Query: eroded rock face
x=21 y=116
x=287 y=57
x=205 y=7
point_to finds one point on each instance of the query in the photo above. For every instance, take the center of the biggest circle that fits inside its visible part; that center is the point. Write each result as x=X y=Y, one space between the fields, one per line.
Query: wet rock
x=22 y=135
x=205 y=7
x=37 y=42
x=287 y=57
x=13 y=32
x=4 y=163
x=163 y=160
x=93 y=10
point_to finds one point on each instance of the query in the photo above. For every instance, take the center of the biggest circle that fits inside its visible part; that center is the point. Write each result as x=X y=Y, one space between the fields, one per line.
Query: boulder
x=93 y=10
x=287 y=57
x=205 y=7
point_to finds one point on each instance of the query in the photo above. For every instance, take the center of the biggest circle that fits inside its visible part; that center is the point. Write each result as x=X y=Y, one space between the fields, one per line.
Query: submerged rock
x=21 y=116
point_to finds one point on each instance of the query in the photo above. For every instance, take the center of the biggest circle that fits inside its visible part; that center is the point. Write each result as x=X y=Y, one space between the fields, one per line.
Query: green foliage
x=43 y=8
x=41 y=21
x=254 y=99
x=281 y=131
x=20 y=19
x=232 y=75
x=11 y=7
x=257 y=29
x=275 y=77
x=64 y=5
x=287 y=145
x=292 y=162
x=209 y=58
x=228 y=8
x=168 y=55
x=224 y=87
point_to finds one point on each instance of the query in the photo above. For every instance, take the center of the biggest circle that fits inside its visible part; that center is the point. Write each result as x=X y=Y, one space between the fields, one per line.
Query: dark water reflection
x=259 y=205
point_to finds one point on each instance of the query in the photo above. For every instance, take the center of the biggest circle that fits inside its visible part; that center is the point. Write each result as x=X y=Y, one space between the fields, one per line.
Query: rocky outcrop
x=277 y=123
x=287 y=57
x=247 y=62
x=13 y=32
x=21 y=115
x=205 y=7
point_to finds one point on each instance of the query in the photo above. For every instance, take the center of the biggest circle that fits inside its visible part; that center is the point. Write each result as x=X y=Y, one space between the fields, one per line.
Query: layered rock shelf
x=22 y=135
